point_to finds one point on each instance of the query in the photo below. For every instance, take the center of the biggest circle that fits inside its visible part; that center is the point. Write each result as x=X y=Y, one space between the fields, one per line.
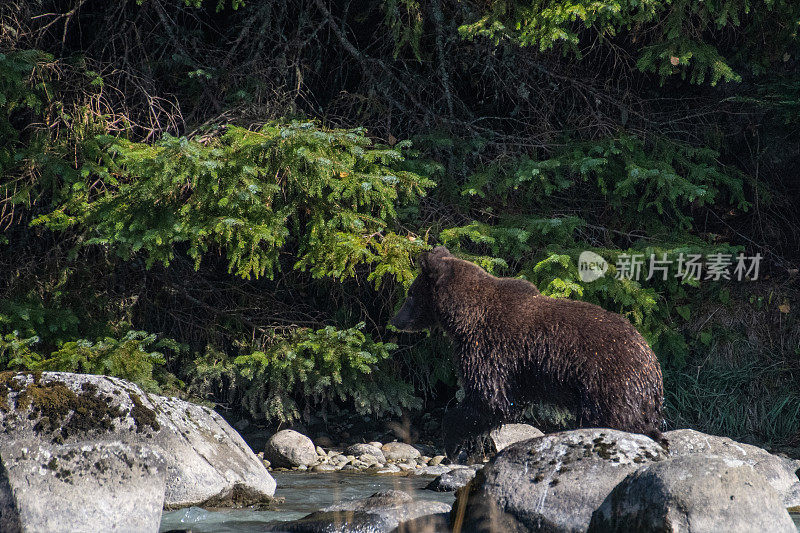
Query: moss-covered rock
x=206 y=460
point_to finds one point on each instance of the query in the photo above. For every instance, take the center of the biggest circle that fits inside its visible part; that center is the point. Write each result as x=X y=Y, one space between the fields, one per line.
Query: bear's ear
x=436 y=263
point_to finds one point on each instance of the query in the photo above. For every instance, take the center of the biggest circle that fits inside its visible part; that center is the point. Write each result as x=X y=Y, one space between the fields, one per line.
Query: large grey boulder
x=382 y=512
x=80 y=488
x=694 y=494
x=206 y=461
x=288 y=448
x=399 y=451
x=780 y=472
x=504 y=436
x=553 y=483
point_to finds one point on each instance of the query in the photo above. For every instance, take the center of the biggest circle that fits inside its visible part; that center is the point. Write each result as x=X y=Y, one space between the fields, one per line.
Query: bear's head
x=419 y=309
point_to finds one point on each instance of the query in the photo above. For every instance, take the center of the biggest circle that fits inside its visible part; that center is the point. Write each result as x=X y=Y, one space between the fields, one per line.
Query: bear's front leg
x=464 y=428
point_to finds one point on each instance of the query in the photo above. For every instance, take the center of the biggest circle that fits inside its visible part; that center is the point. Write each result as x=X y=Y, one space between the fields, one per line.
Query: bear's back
x=587 y=328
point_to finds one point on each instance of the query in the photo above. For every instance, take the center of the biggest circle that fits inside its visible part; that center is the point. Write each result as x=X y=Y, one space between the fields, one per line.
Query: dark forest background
x=223 y=200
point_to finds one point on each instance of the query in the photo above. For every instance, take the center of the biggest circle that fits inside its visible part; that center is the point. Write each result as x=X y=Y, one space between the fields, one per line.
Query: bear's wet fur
x=513 y=346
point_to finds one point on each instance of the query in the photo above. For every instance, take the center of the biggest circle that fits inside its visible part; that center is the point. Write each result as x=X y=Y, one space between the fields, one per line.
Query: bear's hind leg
x=592 y=414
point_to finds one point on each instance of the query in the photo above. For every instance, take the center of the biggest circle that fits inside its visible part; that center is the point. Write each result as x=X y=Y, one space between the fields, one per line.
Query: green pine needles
x=249 y=195
x=290 y=196
x=675 y=37
x=131 y=357
x=309 y=369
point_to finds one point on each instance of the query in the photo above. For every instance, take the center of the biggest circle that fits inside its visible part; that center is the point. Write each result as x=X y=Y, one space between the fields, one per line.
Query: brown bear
x=514 y=345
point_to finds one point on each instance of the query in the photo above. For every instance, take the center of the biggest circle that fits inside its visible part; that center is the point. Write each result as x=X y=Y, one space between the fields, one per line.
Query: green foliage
x=404 y=20
x=129 y=357
x=668 y=30
x=327 y=198
x=31 y=318
x=310 y=369
x=14 y=94
x=37 y=158
x=329 y=192
x=21 y=93
x=699 y=61
x=547 y=23
x=746 y=401
x=16 y=352
x=654 y=182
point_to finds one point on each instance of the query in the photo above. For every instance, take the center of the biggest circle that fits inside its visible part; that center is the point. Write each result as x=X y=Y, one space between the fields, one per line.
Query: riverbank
x=89 y=453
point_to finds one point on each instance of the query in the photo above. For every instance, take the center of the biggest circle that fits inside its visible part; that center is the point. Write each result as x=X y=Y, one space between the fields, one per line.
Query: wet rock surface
x=436 y=470
x=695 y=494
x=65 y=435
x=452 y=480
x=391 y=459
x=550 y=483
x=359 y=450
x=384 y=511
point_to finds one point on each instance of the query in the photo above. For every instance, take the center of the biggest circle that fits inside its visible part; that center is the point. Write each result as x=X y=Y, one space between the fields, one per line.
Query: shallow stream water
x=304 y=493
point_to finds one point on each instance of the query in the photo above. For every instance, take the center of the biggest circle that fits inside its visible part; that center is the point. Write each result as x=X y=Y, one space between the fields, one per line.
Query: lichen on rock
x=205 y=458
x=142 y=416
x=61 y=411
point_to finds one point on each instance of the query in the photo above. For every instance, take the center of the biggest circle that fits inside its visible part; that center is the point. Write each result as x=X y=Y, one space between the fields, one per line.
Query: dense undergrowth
x=230 y=207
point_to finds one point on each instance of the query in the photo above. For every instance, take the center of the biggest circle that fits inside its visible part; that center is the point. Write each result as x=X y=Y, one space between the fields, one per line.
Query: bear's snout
x=402 y=319
x=410 y=318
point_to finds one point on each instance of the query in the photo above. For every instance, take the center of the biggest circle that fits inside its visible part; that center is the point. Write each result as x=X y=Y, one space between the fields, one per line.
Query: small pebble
x=324 y=468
